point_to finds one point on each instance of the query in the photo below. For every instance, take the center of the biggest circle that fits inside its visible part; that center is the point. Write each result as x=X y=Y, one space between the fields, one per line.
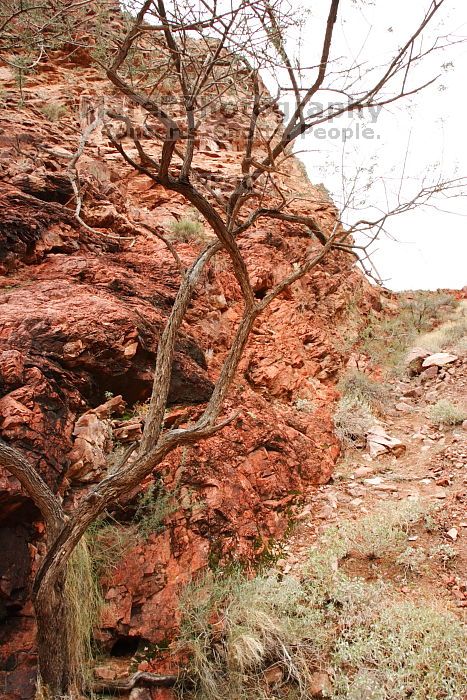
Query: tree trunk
x=56 y=670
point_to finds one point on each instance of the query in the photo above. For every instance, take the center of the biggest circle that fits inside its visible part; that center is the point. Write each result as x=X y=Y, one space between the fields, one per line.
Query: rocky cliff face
x=80 y=320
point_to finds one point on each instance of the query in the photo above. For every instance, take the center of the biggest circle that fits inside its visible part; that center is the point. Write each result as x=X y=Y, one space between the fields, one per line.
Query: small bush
x=445 y=553
x=154 y=506
x=188 y=230
x=358 y=386
x=352 y=421
x=412 y=559
x=379 y=534
x=443 y=412
x=54 y=111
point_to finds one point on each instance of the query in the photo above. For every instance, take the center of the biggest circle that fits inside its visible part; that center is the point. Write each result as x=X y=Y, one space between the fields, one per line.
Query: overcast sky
x=424 y=136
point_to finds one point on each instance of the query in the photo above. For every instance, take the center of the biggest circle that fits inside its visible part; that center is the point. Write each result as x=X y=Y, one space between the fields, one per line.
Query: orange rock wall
x=80 y=316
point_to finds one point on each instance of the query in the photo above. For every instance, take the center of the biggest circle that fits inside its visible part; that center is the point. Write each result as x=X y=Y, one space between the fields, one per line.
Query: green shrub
x=443 y=412
x=358 y=386
x=154 y=506
x=188 y=230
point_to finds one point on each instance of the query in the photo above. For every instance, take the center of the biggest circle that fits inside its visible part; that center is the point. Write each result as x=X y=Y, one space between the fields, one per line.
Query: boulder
x=414 y=360
x=429 y=373
x=439 y=359
x=379 y=442
x=320 y=685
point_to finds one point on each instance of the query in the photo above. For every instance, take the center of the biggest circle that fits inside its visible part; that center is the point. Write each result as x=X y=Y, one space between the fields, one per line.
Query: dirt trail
x=432 y=470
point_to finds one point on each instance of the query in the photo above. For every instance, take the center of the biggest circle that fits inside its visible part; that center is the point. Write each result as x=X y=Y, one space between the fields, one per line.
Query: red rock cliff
x=81 y=316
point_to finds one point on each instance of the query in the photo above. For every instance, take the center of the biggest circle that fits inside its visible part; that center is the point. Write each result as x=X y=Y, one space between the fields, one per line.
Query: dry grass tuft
x=82 y=594
x=443 y=412
x=353 y=419
x=188 y=230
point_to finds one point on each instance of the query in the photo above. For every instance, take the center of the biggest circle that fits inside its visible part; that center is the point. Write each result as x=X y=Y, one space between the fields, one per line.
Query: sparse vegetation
x=412 y=559
x=352 y=421
x=443 y=412
x=379 y=534
x=54 y=111
x=359 y=387
x=445 y=553
x=450 y=336
x=371 y=644
x=154 y=506
x=424 y=309
x=188 y=230
x=386 y=337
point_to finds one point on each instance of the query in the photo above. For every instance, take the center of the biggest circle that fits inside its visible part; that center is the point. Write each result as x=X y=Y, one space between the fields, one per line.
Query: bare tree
x=209 y=52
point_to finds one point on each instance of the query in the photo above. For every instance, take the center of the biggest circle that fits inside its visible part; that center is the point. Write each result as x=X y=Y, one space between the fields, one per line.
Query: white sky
x=424 y=136
x=431 y=247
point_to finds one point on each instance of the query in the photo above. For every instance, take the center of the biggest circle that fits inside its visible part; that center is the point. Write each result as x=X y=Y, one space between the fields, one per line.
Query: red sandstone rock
x=81 y=316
